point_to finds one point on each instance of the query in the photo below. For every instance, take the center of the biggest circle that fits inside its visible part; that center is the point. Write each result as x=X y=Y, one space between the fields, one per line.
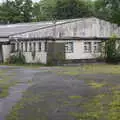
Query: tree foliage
x=112 y=50
x=14 y=11
x=108 y=10
x=71 y=9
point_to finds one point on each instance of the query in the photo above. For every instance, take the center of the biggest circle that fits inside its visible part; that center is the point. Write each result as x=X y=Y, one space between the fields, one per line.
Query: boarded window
x=87 y=47
x=69 y=47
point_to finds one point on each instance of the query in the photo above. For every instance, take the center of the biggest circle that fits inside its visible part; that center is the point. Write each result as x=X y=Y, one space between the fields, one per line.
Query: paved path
x=54 y=88
x=23 y=76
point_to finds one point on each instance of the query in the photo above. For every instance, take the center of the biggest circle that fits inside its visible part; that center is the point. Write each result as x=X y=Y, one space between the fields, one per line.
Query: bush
x=112 y=53
x=19 y=58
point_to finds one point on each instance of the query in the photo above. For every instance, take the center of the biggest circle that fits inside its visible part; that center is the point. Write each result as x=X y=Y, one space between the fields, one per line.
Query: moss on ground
x=101 y=107
x=75 y=97
x=90 y=69
x=96 y=85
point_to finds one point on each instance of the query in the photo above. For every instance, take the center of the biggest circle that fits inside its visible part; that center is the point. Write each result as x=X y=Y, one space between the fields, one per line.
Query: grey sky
x=33 y=0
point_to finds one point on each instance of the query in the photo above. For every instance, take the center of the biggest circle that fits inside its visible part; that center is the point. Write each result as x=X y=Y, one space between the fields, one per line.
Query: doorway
x=55 y=53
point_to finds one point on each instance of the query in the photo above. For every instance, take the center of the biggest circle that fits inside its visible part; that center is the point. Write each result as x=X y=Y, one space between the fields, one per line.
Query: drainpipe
x=54 y=39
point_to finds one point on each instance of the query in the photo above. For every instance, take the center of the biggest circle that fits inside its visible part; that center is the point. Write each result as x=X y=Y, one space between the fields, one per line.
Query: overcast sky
x=33 y=0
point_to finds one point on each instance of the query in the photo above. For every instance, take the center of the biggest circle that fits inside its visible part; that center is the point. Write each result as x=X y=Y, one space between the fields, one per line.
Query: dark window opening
x=13 y=48
x=45 y=46
x=30 y=46
x=39 y=46
x=34 y=46
x=26 y=46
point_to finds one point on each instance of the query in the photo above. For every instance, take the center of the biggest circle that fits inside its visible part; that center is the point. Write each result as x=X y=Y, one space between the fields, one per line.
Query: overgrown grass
x=104 y=106
x=96 y=85
x=29 y=65
x=6 y=83
x=75 y=97
x=90 y=69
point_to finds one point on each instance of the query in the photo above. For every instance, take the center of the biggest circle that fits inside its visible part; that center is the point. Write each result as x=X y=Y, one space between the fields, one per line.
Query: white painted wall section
x=6 y=52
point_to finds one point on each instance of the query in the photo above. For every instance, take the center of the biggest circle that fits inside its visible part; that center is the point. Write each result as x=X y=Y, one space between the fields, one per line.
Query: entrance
x=55 y=53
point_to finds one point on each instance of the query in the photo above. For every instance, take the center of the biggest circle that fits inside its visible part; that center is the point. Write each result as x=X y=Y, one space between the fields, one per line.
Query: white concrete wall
x=40 y=56
x=79 y=53
x=78 y=50
x=6 y=52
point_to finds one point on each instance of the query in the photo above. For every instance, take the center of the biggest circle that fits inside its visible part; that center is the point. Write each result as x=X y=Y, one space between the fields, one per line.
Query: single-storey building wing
x=81 y=39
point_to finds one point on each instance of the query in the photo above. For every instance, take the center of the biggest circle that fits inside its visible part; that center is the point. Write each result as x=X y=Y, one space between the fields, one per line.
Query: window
x=17 y=46
x=97 y=47
x=69 y=47
x=22 y=46
x=13 y=47
x=25 y=46
x=30 y=46
x=87 y=47
x=34 y=46
x=39 y=46
x=61 y=34
x=45 y=47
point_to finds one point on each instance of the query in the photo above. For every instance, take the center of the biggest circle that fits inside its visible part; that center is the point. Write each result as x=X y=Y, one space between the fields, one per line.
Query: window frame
x=26 y=46
x=13 y=47
x=87 y=47
x=69 y=47
x=22 y=47
x=97 y=44
x=34 y=47
x=30 y=47
x=39 y=46
x=45 y=46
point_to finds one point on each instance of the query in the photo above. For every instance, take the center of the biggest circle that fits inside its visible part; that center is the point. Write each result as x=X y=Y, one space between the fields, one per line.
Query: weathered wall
x=79 y=53
x=40 y=56
x=89 y=27
x=6 y=52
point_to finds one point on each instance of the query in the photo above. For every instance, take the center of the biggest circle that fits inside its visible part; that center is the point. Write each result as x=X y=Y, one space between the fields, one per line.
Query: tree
x=112 y=54
x=71 y=9
x=27 y=10
x=108 y=10
x=16 y=11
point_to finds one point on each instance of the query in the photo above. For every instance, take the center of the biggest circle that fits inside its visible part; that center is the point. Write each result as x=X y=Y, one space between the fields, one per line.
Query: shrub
x=112 y=53
x=18 y=58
